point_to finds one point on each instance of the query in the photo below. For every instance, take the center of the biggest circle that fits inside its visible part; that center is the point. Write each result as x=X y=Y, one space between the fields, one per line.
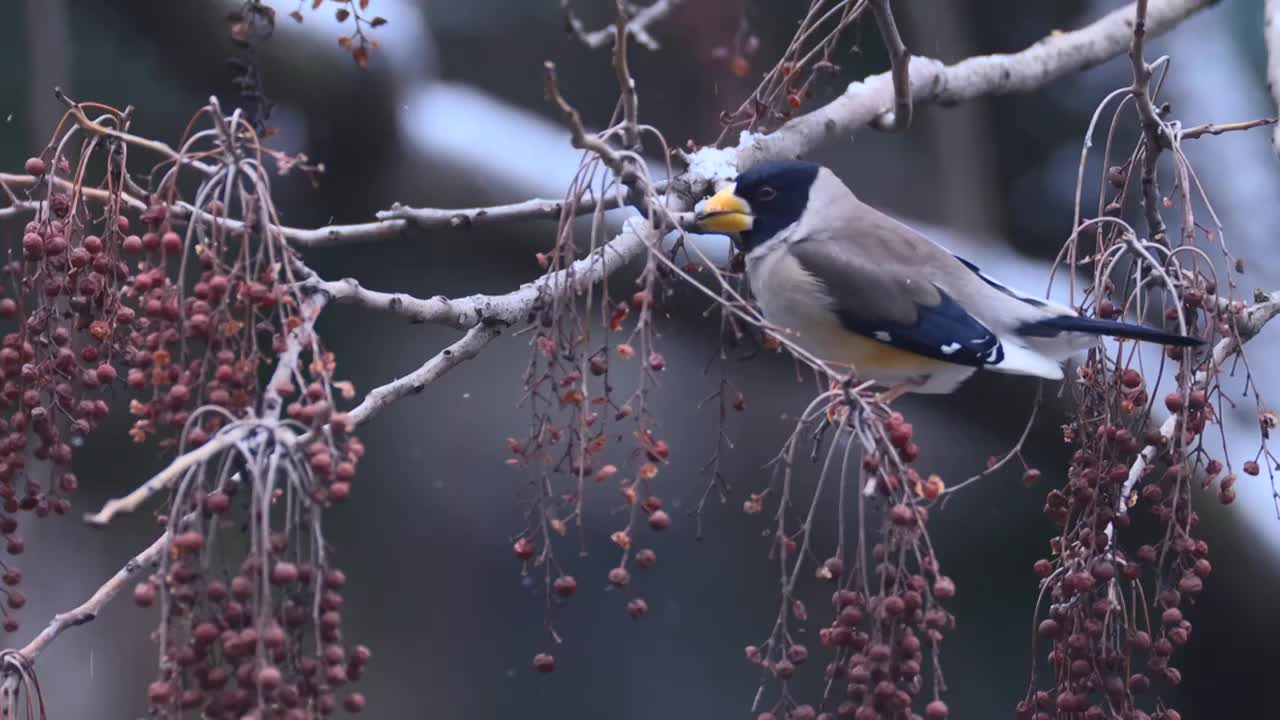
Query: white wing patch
x=950 y=348
x=885 y=337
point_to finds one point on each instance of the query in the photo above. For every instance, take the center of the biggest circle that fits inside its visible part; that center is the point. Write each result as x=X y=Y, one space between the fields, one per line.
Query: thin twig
x=636 y=27
x=1199 y=131
x=166 y=477
x=579 y=136
x=146 y=560
x=900 y=67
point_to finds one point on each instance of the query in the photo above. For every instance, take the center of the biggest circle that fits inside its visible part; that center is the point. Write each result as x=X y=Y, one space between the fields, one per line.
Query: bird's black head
x=765 y=199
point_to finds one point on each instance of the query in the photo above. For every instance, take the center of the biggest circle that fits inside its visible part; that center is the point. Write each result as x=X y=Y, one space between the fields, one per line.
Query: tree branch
x=1200 y=131
x=462 y=313
x=579 y=137
x=391 y=223
x=486 y=314
x=166 y=477
x=146 y=560
x=1058 y=55
x=535 y=209
x=1271 y=33
x=637 y=27
x=900 y=67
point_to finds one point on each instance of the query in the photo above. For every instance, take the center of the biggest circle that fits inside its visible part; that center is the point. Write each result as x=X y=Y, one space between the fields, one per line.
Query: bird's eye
x=766 y=193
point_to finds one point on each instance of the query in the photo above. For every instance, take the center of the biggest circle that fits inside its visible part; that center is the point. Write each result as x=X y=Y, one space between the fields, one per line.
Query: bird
x=854 y=287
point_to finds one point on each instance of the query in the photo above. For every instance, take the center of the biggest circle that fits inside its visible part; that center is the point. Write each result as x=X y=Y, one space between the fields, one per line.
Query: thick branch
x=486 y=314
x=462 y=313
x=1056 y=56
x=1271 y=32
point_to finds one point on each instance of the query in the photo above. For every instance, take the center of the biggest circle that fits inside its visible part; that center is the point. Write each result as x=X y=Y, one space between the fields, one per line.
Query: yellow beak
x=725 y=213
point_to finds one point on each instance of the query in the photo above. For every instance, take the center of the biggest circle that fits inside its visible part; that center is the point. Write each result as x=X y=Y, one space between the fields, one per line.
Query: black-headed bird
x=854 y=287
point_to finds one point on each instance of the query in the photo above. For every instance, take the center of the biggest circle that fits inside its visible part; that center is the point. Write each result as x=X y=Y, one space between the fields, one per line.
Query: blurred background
x=450 y=113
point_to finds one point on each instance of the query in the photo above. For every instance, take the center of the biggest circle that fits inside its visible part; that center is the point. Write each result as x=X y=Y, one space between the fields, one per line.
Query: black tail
x=1068 y=323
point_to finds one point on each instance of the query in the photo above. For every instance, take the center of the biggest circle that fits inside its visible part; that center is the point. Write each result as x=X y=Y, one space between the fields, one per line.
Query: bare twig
x=146 y=560
x=1014 y=452
x=10 y=181
x=382 y=396
x=391 y=223
x=535 y=209
x=579 y=136
x=1154 y=132
x=166 y=477
x=1199 y=131
x=637 y=26
x=900 y=64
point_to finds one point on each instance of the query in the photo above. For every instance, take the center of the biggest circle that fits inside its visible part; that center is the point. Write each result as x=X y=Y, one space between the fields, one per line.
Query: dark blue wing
x=896 y=303
x=944 y=331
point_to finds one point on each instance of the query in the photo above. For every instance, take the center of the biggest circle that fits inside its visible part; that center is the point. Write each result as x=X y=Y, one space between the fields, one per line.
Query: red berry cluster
x=184 y=350
x=1107 y=649
x=62 y=294
x=180 y=307
x=887 y=612
x=252 y=643
x=575 y=408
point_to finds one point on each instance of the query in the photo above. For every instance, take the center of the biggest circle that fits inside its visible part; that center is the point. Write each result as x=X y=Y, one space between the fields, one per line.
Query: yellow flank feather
x=869 y=355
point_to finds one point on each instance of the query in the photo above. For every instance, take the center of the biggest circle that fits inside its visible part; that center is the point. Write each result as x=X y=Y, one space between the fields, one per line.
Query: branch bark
x=146 y=560
x=933 y=82
x=488 y=314
x=1271 y=33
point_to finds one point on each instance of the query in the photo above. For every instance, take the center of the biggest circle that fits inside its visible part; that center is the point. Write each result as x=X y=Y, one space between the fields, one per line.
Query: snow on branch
x=933 y=82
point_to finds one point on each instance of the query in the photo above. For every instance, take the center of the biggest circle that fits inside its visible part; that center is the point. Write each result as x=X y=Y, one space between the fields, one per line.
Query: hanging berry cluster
x=180 y=307
x=1127 y=564
x=576 y=408
x=887 y=612
x=256 y=629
